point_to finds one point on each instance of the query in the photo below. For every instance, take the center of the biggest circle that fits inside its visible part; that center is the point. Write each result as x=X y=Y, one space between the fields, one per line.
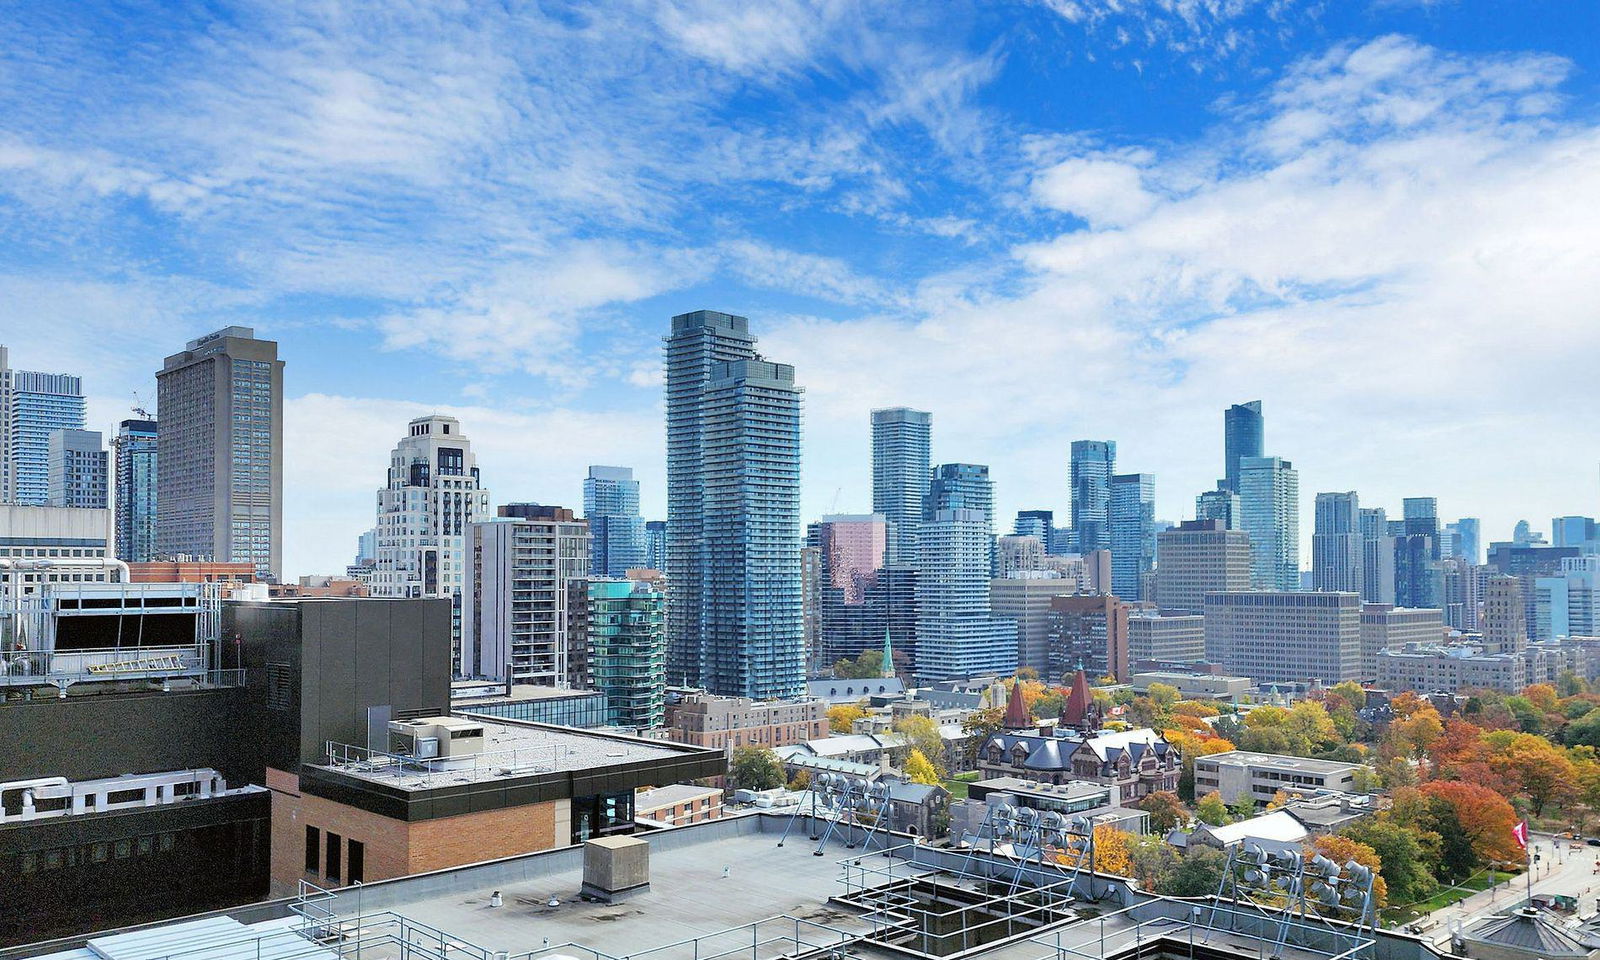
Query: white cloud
x=1105 y=191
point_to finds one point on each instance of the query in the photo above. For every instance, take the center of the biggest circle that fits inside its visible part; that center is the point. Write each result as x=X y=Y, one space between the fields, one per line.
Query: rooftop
x=1279 y=761
x=510 y=749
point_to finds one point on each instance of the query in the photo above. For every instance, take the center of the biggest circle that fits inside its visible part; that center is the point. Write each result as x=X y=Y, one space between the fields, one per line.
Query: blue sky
x=1042 y=221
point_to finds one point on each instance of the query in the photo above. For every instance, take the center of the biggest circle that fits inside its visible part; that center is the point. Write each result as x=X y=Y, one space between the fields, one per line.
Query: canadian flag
x=1519 y=833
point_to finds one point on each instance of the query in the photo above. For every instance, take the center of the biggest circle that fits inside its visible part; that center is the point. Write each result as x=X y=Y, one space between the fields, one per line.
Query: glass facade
x=611 y=505
x=627 y=653
x=1269 y=498
x=135 y=467
x=1243 y=428
x=1093 y=464
x=32 y=407
x=901 y=453
x=1133 y=533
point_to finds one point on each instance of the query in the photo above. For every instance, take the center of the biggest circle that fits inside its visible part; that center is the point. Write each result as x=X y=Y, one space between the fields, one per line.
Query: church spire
x=1017 y=717
x=887 y=672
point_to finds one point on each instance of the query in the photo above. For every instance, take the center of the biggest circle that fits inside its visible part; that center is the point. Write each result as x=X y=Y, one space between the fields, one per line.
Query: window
x=355 y=861
x=332 y=866
x=313 y=850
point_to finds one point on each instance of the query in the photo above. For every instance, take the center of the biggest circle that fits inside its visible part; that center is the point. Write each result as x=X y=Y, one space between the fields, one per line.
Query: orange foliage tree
x=1112 y=853
x=1485 y=816
x=1343 y=849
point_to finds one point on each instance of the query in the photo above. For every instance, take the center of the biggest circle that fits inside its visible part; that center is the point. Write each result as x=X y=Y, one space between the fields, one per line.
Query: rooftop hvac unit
x=429 y=738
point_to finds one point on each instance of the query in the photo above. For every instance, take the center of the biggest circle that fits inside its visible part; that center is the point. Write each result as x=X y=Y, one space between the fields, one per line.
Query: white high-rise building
x=1269 y=498
x=432 y=493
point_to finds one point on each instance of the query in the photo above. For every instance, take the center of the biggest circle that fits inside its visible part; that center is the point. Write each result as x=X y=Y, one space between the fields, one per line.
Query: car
x=1594 y=841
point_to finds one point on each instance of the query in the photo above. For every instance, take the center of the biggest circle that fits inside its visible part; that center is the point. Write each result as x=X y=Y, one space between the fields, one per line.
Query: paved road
x=1561 y=870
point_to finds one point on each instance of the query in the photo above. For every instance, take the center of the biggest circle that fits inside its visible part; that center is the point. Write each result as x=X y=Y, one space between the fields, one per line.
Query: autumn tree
x=1166 y=811
x=1482 y=816
x=1414 y=734
x=922 y=734
x=919 y=770
x=1402 y=854
x=842 y=718
x=1535 y=764
x=864 y=667
x=1111 y=851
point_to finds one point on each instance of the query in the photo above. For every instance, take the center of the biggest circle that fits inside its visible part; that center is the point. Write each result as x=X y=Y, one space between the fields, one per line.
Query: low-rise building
x=1195 y=686
x=526 y=701
x=1451 y=668
x=677 y=804
x=704 y=720
x=1244 y=774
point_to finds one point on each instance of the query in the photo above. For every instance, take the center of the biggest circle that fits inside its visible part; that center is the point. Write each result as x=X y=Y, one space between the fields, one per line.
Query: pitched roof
x=1017 y=717
x=1277 y=825
x=1526 y=931
x=1078 y=701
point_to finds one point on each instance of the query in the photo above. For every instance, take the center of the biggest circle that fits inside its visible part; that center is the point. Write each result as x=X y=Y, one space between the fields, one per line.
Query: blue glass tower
x=33 y=406
x=655 y=539
x=734 y=607
x=901 y=441
x=611 y=505
x=1133 y=533
x=1093 y=464
x=135 y=468
x=1243 y=427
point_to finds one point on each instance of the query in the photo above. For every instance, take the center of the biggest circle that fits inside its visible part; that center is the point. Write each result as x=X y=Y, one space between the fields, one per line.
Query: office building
x=1422 y=519
x=1088 y=633
x=431 y=494
x=1133 y=533
x=1577 y=532
x=1269 y=497
x=219 y=489
x=1198 y=557
x=735 y=604
x=79 y=470
x=655 y=538
x=1566 y=605
x=518 y=594
x=1336 y=544
x=1415 y=571
x=627 y=651
x=1384 y=627
x=1027 y=599
x=956 y=635
x=1285 y=637
x=1504 y=621
x=611 y=505
x=1035 y=523
x=1244 y=430
x=33 y=405
x=1460 y=593
x=1377 y=556
x=1465 y=540
x=1169 y=638
x=134 y=463
x=901 y=456
x=1219 y=504
x=1094 y=462
x=1528 y=562
x=1259 y=777
x=1440 y=669
x=55 y=545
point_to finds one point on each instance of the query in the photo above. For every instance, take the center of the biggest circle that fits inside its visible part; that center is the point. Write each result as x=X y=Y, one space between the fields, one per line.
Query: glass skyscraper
x=734 y=605
x=1422 y=519
x=78 y=470
x=1133 y=533
x=1337 y=550
x=135 y=468
x=1219 y=504
x=33 y=406
x=1269 y=498
x=611 y=505
x=956 y=636
x=1093 y=463
x=655 y=549
x=1243 y=427
x=901 y=451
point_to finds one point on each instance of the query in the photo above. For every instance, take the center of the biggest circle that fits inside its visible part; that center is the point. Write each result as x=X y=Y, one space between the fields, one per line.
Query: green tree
x=1211 y=809
x=1405 y=867
x=1585 y=730
x=919 y=770
x=864 y=667
x=755 y=768
x=1198 y=874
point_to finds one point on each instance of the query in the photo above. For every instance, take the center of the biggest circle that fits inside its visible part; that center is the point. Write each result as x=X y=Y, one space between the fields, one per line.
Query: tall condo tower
x=1242 y=430
x=1093 y=463
x=1269 y=497
x=611 y=505
x=734 y=605
x=901 y=452
x=32 y=407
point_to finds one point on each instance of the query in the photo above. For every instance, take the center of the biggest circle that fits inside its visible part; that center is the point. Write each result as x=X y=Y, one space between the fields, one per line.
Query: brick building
x=700 y=719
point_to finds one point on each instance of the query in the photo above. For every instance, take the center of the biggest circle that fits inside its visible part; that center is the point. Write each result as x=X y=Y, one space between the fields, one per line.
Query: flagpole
x=1527 y=854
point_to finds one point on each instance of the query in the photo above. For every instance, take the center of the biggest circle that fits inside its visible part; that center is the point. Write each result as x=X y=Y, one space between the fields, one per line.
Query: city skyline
x=887 y=193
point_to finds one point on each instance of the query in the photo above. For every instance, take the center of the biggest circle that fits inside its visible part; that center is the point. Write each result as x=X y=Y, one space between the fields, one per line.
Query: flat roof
x=510 y=749
x=671 y=795
x=1279 y=761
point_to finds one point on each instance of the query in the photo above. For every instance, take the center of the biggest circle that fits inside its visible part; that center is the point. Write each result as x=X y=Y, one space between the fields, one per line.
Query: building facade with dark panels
x=113 y=864
x=335 y=669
